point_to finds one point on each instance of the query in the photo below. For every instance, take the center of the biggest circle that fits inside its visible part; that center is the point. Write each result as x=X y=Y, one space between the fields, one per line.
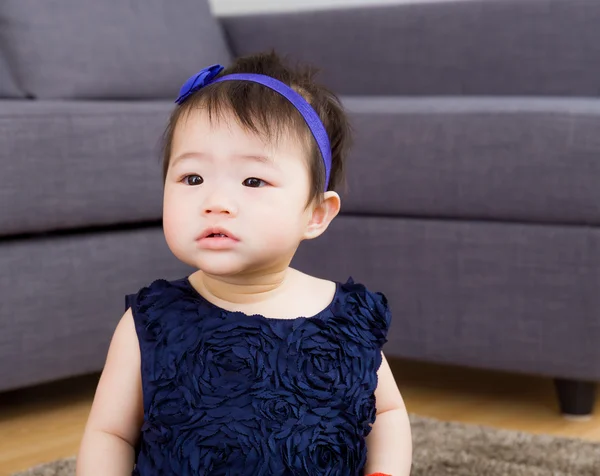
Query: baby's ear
x=322 y=215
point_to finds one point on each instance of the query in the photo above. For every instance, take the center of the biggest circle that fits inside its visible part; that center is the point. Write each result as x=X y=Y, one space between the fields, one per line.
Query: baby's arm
x=112 y=429
x=389 y=445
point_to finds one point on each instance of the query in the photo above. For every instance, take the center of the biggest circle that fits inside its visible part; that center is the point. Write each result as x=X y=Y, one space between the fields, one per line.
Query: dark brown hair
x=264 y=111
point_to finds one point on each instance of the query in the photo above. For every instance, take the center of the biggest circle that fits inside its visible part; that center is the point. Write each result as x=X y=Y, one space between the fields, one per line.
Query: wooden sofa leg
x=575 y=397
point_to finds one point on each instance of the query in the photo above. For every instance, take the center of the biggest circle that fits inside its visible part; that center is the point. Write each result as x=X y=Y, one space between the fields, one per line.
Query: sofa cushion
x=109 y=48
x=62 y=298
x=8 y=88
x=514 y=159
x=81 y=164
x=514 y=297
x=474 y=47
x=73 y=164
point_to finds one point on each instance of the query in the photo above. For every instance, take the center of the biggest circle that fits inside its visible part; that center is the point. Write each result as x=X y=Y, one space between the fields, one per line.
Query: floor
x=45 y=423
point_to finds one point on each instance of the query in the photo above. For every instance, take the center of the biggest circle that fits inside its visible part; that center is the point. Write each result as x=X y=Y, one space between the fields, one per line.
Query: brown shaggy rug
x=455 y=449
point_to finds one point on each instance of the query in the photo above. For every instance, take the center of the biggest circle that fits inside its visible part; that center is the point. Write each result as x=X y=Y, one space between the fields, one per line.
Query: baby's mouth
x=217 y=234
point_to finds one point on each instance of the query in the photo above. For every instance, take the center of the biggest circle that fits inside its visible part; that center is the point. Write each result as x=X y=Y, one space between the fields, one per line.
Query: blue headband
x=207 y=76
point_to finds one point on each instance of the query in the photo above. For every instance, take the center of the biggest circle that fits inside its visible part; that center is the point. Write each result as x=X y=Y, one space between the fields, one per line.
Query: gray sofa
x=473 y=196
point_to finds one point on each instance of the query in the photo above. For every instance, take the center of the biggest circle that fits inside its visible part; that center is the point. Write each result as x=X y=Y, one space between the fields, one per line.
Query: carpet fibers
x=455 y=449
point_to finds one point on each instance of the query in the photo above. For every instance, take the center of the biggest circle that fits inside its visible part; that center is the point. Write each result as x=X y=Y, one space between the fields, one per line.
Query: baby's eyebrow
x=261 y=158
x=187 y=155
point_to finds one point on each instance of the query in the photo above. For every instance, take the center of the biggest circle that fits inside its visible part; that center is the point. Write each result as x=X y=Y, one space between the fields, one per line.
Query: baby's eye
x=254 y=182
x=192 y=179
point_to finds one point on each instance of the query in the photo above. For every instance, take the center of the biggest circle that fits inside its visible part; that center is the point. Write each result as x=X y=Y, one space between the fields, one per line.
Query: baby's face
x=225 y=180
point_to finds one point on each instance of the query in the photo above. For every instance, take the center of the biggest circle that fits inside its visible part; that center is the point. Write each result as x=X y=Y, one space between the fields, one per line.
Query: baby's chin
x=235 y=268
x=222 y=265
x=230 y=263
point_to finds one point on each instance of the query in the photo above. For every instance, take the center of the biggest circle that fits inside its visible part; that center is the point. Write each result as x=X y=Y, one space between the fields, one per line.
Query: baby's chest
x=226 y=363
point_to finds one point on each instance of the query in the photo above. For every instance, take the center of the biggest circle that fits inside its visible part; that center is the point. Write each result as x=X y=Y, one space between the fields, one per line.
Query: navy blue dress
x=226 y=393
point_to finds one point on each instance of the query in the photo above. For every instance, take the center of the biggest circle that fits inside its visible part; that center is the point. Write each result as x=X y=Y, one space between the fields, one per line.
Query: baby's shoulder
x=314 y=287
x=158 y=292
x=356 y=298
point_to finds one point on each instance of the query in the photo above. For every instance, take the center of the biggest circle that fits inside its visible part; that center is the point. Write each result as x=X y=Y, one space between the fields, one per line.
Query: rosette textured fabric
x=226 y=393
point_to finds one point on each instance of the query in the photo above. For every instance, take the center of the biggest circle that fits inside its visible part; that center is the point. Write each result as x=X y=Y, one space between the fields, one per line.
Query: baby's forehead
x=201 y=125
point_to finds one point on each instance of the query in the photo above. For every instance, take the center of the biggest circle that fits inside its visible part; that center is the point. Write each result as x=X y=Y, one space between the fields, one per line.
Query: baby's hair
x=264 y=111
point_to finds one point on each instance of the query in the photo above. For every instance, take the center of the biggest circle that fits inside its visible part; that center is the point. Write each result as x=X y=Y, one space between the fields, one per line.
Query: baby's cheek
x=173 y=226
x=178 y=240
x=281 y=234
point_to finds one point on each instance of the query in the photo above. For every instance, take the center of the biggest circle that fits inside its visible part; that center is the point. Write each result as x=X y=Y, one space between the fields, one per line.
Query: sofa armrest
x=443 y=47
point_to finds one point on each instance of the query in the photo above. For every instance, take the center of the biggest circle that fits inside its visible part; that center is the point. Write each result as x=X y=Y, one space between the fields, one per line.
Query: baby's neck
x=242 y=290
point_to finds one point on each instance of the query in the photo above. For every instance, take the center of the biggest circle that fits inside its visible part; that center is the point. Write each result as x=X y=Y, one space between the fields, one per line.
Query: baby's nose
x=219 y=205
x=219 y=199
x=217 y=209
